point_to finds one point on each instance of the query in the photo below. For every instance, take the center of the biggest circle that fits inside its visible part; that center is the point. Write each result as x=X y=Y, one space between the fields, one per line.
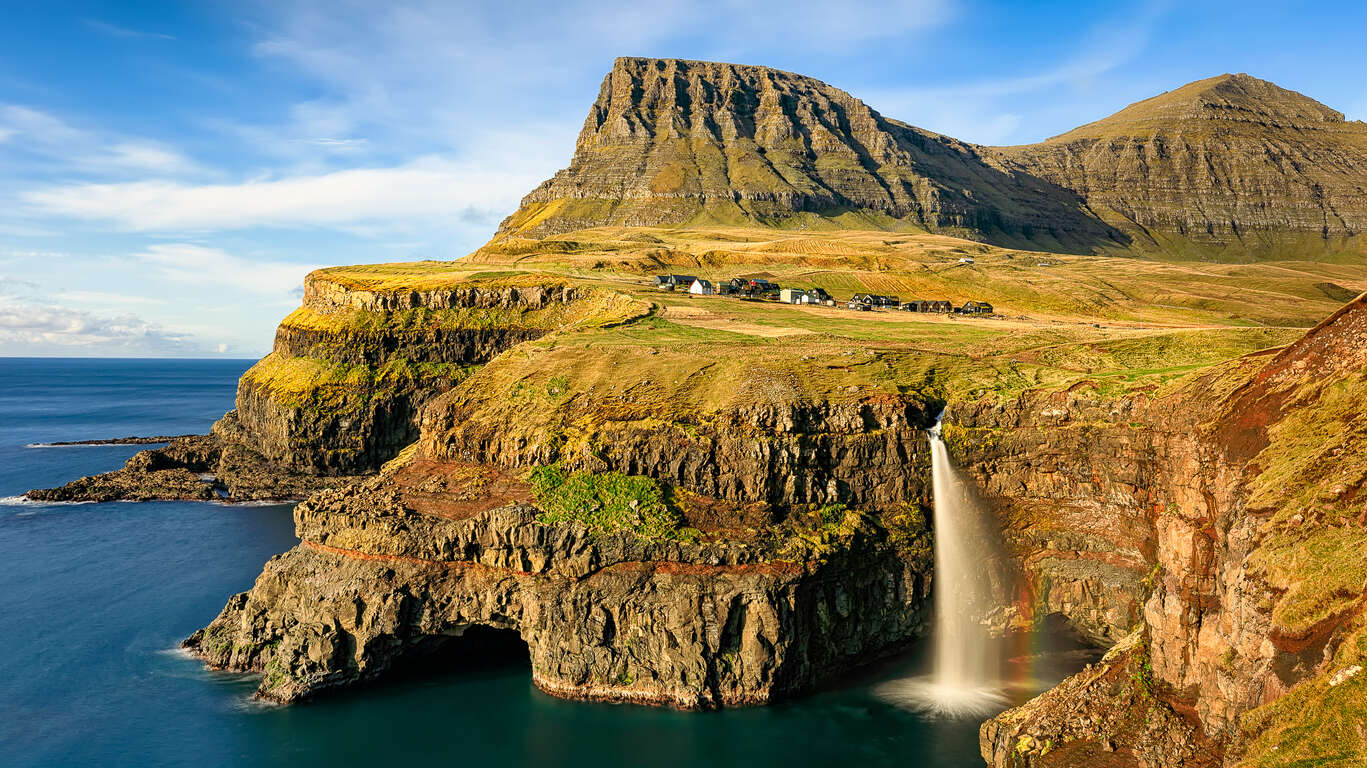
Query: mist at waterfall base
x=967 y=663
x=96 y=598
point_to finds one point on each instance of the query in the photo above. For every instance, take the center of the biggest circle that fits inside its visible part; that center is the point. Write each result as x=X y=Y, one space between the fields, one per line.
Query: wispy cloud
x=425 y=189
x=199 y=265
x=27 y=328
x=38 y=137
x=114 y=30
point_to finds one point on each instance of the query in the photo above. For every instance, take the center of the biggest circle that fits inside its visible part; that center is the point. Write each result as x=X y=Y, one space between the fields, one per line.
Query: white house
x=701 y=287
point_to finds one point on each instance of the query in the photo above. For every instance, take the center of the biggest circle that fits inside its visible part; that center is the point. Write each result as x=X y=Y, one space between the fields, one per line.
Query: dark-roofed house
x=976 y=308
x=923 y=305
x=670 y=282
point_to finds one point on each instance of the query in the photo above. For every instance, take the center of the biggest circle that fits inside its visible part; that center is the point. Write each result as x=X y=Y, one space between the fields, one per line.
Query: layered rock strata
x=614 y=618
x=1227 y=167
x=1255 y=593
x=671 y=141
x=342 y=391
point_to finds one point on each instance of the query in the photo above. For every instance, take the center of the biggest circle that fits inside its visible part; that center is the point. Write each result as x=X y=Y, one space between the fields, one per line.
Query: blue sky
x=170 y=171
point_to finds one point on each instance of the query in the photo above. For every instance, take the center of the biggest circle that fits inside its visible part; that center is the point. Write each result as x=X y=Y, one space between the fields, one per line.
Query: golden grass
x=921 y=265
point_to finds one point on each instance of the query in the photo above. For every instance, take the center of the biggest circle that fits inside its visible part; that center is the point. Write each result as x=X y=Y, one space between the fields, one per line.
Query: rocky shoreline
x=133 y=440
x=219 y=466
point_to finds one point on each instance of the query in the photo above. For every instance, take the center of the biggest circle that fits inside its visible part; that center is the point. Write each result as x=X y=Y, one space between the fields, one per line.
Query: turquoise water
x=95 y=598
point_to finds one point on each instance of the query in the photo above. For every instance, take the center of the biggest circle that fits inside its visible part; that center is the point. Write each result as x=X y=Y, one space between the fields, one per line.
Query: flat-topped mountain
x=1231 y=163
x=675 y=142
x=1230 y=167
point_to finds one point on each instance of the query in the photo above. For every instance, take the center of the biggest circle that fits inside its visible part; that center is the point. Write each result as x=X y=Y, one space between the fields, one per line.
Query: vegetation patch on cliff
x=1314 y=549
x=607 y=502
x=302 y=382
x=1320 y=722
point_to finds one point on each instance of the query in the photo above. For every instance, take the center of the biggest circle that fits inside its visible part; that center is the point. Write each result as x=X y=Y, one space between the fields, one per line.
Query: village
x=766 y=290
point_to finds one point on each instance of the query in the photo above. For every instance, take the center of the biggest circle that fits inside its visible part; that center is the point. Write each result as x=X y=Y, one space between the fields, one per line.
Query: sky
x=169 y=172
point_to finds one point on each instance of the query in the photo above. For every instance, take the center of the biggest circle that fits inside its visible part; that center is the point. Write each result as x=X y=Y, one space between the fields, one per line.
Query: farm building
x=791 y=295
x=752 y=286
x=670 y=282
x=921 y=305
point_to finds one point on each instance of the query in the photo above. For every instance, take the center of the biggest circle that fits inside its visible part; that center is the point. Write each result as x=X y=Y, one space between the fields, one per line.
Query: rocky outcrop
x=1256 y=590
x=671 y=141
x=1074 y=481
x=614 y=618
x=870 y=453
x=352 y=368
x=214 y=467
x=1106 y=715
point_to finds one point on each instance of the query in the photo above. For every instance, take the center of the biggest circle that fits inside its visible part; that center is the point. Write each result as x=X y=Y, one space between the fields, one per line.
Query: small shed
x=701 y=287
x=791 y=295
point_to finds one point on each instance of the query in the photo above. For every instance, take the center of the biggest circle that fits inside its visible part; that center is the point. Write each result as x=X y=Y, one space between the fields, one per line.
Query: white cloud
x=66 y=149
x=43 y=329
x=198 y=265
x=426 y=189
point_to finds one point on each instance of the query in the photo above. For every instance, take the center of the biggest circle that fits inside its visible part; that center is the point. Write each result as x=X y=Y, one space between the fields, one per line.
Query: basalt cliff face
x=1231 y=167
x=377 y=583
x=799 y=549
x=1250 y=636
x=343 y=389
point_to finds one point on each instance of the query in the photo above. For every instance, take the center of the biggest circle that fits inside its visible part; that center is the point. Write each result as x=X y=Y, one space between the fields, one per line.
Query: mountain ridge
x=1229 y=167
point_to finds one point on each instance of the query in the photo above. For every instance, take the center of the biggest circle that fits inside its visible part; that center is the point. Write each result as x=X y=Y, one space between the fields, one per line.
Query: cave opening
x=477 y=651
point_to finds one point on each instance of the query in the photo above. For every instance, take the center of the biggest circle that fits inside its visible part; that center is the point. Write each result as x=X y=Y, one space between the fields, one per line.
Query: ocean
x=95 y=599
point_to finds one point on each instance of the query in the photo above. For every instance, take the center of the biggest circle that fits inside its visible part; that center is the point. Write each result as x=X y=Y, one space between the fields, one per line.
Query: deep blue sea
x=94 y=599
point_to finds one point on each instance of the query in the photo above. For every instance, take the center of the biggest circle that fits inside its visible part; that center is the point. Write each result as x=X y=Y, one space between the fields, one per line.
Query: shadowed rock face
x=672 y=141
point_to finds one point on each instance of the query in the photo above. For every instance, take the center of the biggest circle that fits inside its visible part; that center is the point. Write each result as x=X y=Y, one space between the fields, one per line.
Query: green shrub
x=608 y=502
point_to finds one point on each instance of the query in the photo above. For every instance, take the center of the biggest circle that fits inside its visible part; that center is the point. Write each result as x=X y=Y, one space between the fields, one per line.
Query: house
x=701 y=287
x=748 y=286
x=862 y=298
x=670 y=282
x=976 y=308
x=791 y=295
x=857 y=305
x=816 y=296
x=886 y=301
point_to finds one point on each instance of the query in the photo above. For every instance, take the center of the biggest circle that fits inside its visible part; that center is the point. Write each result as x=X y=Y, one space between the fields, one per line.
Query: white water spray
x=966 y=677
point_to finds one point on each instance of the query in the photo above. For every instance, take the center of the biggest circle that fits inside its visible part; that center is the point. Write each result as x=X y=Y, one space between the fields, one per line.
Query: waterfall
x=965 y=677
